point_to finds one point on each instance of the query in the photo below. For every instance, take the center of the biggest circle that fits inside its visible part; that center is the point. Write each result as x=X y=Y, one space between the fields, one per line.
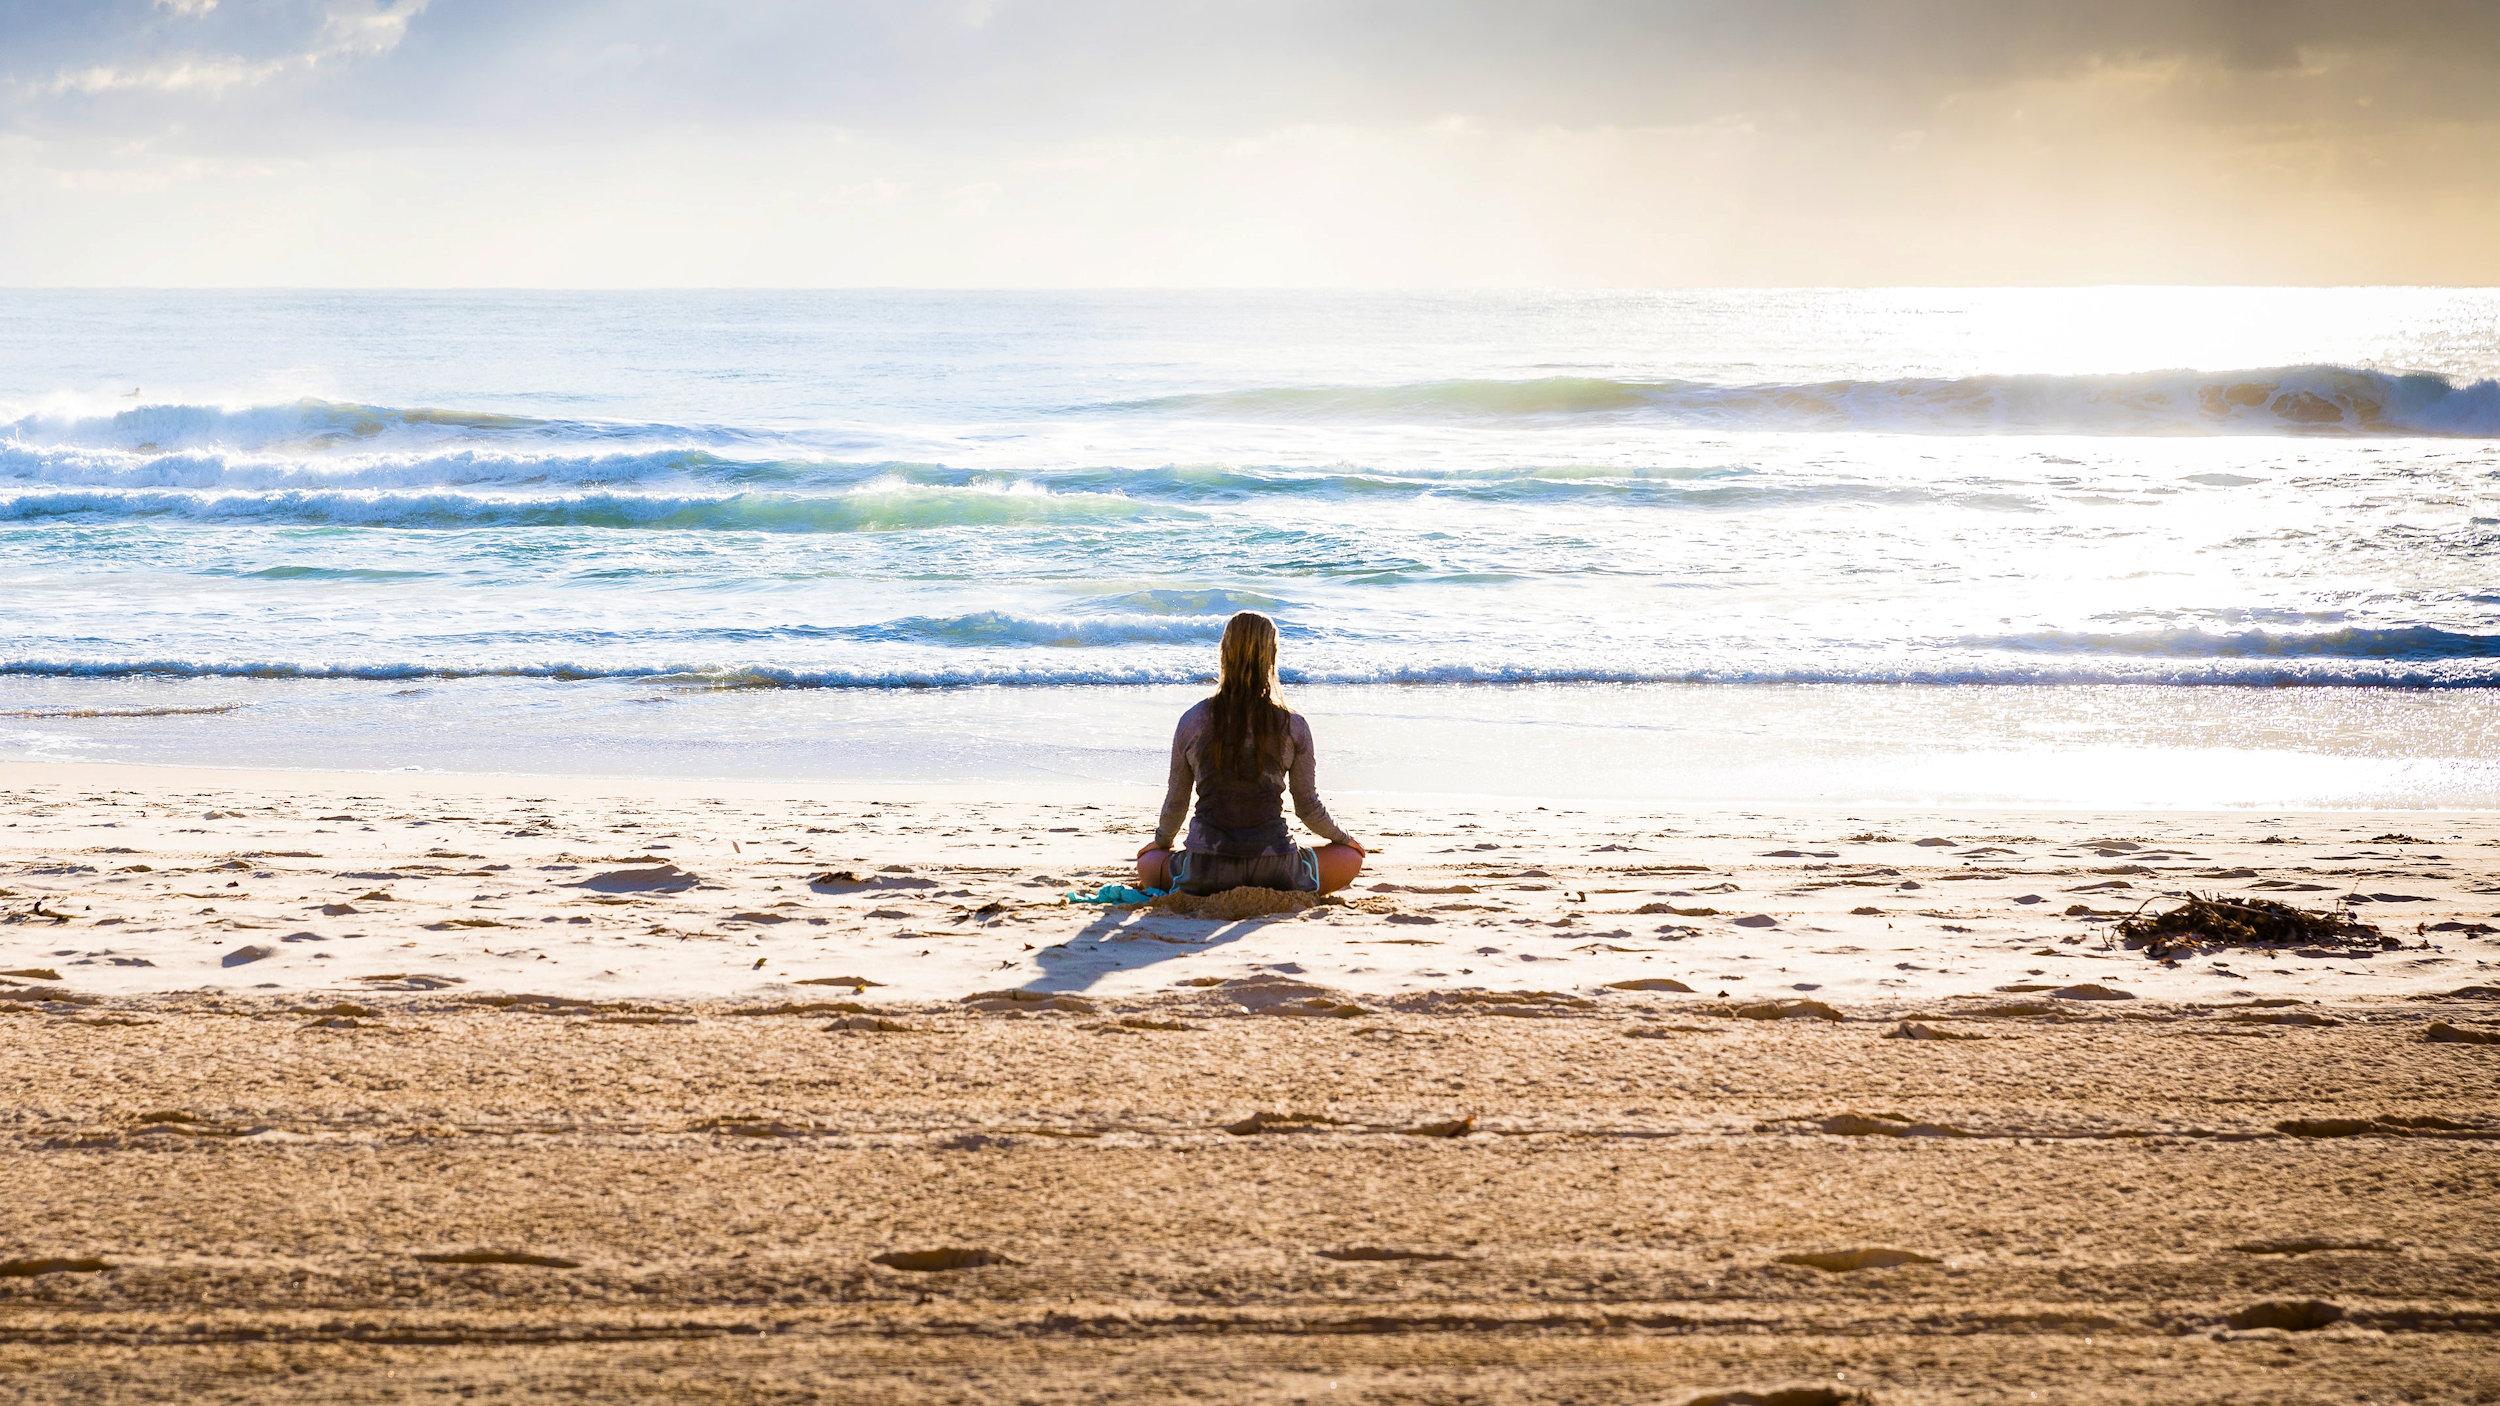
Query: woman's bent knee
x=1338 y=866
x=1154 y=869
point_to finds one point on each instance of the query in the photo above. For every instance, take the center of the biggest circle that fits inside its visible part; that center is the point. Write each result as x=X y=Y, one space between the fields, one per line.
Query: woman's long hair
x=1247 y=732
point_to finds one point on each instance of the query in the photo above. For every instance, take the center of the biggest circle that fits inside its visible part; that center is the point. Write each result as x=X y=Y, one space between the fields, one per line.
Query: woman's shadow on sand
x=1127 y=939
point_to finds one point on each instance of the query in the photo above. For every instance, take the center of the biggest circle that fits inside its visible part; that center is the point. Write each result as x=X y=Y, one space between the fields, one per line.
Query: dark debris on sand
x=2206 y=923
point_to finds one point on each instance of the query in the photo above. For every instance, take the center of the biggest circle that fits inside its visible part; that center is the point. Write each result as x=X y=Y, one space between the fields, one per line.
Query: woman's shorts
x=1197 y=871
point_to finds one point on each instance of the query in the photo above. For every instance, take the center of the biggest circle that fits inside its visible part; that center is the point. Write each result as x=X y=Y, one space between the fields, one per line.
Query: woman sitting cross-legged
x=1240 y=749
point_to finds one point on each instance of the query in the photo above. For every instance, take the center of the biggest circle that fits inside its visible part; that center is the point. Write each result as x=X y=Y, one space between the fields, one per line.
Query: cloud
x=363 y=28
x=187 y=75
x=341 y=31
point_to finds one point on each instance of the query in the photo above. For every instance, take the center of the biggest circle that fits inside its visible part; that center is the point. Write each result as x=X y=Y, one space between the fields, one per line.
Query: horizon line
x=1148 y=288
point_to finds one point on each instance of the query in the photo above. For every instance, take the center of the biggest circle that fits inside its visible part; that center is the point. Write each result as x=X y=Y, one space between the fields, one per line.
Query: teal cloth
x=1118 y=896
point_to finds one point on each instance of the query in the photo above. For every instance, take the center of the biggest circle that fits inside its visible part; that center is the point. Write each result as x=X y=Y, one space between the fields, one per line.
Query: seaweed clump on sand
x=2204 y=923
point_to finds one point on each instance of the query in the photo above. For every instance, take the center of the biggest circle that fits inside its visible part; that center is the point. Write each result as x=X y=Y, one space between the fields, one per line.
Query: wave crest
x=312 y=424
x=873 y=507
x=997 y=628
x=2279 y=400
x=2407 y=642
x=2428 y=674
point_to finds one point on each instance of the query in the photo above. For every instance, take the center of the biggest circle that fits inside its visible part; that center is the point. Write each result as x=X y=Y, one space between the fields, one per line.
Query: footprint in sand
x=939 y=1261
x=519 y=1258
x=1783 y=1396
x=2313 y=1247
x=2382 y=1125
x=29 y=1268
x=1913 y=1030
x=1851 y=1261
x=1377 y=1254
x=1884 y=1125
x=1786 y=1010
x=1016 y=1000
x=870 y=1025
x=410 y=981
x=846 y=881
x=2288 y=1315
x=2442 y=1033
x=1265 y=1122
x=659 y=878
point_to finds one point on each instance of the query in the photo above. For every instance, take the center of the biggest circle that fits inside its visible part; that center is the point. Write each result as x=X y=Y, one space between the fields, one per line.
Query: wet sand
x=1424 y=1145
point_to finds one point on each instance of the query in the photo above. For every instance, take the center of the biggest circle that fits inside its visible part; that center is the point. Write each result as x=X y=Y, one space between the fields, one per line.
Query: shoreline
x=167 y=880
x=2114 y=748
x=259 y=776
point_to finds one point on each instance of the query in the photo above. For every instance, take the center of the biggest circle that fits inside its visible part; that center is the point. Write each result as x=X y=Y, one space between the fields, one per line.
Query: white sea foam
x=1176 y=668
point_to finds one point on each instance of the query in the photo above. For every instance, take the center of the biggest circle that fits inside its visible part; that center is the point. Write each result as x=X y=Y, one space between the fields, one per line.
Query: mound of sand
x=1235 y=905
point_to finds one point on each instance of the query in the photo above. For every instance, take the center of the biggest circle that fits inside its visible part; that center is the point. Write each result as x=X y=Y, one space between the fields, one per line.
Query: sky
x=1306 y=143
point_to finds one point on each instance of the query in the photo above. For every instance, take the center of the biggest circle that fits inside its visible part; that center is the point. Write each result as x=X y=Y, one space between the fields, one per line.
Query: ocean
x=2173 y=547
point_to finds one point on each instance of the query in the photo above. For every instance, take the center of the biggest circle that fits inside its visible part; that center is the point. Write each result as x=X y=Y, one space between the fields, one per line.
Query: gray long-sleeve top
x=1298 y=768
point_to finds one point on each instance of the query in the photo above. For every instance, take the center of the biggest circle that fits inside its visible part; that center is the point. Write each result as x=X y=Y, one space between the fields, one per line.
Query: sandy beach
x=1863 y=640
x=329 y=1086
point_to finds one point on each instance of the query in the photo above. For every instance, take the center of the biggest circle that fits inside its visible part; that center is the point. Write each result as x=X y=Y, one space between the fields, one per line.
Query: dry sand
x=330 y=1087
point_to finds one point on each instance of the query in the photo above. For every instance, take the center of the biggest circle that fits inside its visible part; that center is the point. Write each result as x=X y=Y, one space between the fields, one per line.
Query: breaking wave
x=207 y=444
x=995 y=628
x=874 y=507
x=2426 y=674
x=2413 y=642
x=2282 y=400
x=1166 y=601
x=219 y=470
x=234 y=471
x=313 y=424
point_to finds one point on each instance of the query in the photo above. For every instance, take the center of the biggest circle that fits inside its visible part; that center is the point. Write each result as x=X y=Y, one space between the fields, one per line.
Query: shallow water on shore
x=2114 y=746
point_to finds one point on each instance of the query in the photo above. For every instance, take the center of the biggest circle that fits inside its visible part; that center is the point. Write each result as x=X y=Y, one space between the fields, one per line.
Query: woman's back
x=1248 y=791
x=1235 y=756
